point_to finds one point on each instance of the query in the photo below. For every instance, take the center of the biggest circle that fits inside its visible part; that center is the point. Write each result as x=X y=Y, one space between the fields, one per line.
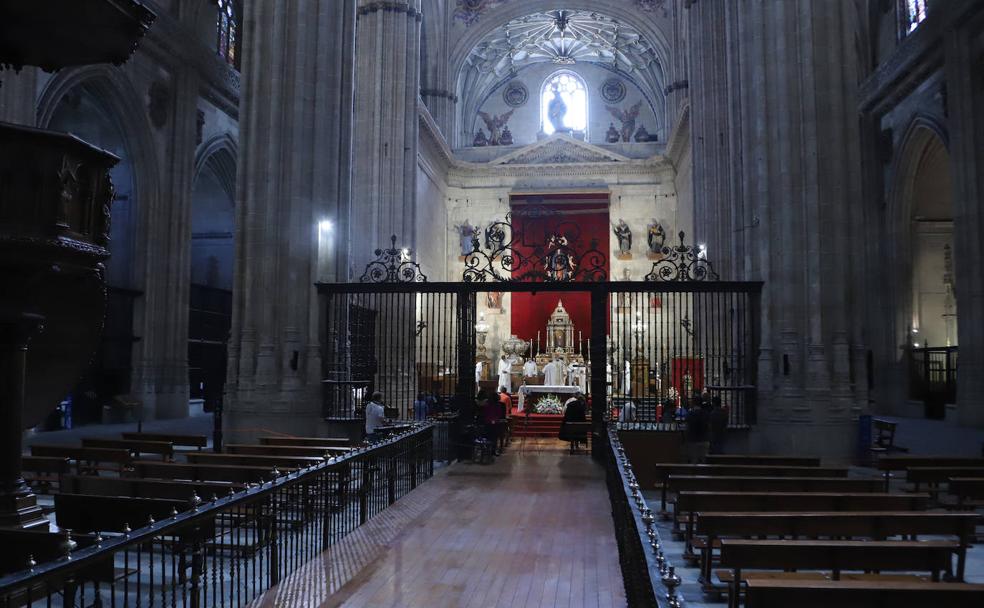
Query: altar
x=527 y=390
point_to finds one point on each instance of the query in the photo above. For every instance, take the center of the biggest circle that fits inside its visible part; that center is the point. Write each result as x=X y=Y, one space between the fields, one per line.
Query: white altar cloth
x=528 y=389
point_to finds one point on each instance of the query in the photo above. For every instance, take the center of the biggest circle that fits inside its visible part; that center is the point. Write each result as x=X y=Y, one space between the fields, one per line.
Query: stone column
x=436 y=85
x=293 y=178
x=18 y=506
x=965 y=96
x=385 y=129
x=777 y=169
x=18 y=95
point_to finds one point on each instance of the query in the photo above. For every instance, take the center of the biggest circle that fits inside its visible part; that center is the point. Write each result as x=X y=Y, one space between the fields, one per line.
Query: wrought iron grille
x=393 y=265
x=682 y=263
x=531 y=245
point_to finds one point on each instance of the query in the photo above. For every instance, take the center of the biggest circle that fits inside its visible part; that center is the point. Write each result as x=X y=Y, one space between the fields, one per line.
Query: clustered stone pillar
x=292 y=195
x=385 y=131
x=776 y=174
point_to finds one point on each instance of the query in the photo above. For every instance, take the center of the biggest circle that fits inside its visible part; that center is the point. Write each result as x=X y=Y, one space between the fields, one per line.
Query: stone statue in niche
x=493 y=300
x=495 y=124
x=624 y=235
x=480 y=140
x=627 y=118
x=556 y=111
x=612 y=135
x=655 y=238
x=466 y=235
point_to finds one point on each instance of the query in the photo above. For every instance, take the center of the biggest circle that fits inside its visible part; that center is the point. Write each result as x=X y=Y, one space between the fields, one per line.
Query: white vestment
x=478 y=372
x=529 y=369
x=578 y=376
x=504 y=380
x=553 y=374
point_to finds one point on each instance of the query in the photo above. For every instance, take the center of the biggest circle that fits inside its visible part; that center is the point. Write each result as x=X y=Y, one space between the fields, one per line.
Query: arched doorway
x=929 y=306
x=85 y=111
x=211 y=275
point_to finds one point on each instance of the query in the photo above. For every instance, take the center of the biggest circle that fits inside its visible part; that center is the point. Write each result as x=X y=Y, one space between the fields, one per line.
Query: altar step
x=535 y=426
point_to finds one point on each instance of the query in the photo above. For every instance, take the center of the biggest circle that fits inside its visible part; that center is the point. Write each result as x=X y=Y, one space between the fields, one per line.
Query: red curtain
x=589 y=212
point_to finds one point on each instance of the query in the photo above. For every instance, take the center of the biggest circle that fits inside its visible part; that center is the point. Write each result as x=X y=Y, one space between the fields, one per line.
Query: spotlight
x=325 y=225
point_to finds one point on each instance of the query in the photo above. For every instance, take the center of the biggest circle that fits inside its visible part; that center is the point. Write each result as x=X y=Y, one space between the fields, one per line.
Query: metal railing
x=648 y=577
x=933 y=373
x=226 y=551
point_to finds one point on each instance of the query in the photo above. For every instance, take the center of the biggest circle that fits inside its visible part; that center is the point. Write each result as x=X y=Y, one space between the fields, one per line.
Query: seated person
x=575 y=410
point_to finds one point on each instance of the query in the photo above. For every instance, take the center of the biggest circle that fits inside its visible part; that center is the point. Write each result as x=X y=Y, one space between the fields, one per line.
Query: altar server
x=529 y=368
x=553 y=373
x=504 y=373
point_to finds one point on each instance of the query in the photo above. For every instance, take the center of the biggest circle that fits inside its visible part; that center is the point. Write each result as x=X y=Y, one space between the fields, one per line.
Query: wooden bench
x=253 y=460
x=688 y=504
x=86 y=459
x=203 y=472
x=43 y=470
x=322 y=451
x=846 y=525
x=665 y=469
x=888 y=464
x=861 y=594
x=968 y=490
x=136 y=446
x=793 y=556
x=933 y=477
x=763 y=459
x=90 y=512
x=340 y=442
x=185 y=441
x=146 y=488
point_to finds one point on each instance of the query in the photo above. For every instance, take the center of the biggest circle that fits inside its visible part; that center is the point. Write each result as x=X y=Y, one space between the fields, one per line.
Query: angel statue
x=495 y=125
x=627 y=118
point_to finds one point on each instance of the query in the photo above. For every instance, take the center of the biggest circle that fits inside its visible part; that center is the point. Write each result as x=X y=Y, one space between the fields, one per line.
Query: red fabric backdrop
x=530 y=313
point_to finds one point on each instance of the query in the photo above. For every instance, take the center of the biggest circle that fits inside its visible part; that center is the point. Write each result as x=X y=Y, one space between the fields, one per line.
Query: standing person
x=695 y=434
x=420 y=407
x=628 y=412
x=506 y=400
x=375 y=416
x=553 y=373
x=505 y=371
x=718 y=425
x=529 y=369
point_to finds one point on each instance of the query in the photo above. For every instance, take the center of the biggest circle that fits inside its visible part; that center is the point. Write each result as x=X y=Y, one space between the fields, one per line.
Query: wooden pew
x=889 y=464
x=861 y=594
x=876 y=525
x=688 y=504
x=968 y=490
x=165 y=449
x=934 y=476
x=665 y=469
x=883 y=437
x=90 y=512
x=763 y=459
x=340 y=442
x=146 y=488
x=286 y=450
x=86 y=459
x=205 y=472
x=253 y=460
x=42 y=470
x=185 y=441
x=790 y=556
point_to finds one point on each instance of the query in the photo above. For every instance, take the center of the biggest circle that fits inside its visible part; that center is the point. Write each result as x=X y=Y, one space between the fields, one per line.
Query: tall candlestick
x=538 y=341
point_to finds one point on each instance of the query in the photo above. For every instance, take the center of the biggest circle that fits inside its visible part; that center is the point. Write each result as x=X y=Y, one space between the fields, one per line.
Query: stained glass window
x=563 y=103
x=915 y=13
x=227 y=31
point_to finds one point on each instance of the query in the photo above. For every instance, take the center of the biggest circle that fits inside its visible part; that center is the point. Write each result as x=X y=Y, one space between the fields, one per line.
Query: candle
x=538 y=341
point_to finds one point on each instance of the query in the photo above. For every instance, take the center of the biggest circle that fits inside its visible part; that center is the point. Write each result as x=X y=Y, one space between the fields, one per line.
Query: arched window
x=563 y=103
x=914 y=12
x=227 y=31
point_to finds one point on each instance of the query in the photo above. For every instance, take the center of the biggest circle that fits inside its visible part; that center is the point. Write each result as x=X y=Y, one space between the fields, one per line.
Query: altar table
x=528 y=389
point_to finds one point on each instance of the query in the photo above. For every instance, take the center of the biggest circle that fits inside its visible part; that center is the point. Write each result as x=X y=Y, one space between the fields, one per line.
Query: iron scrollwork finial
x=515 y=250
x=682 y=263
x=393 y=265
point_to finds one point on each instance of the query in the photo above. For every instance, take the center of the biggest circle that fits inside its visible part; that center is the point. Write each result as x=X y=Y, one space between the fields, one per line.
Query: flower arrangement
x=549 y=404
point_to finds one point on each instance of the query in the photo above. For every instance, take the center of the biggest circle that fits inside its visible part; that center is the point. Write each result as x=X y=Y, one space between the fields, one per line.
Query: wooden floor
x=534 y=529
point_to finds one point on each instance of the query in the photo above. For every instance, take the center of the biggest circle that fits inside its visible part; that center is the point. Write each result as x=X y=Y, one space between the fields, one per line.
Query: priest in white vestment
x=553 y=373
x=504 y=373
x=529 y=369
